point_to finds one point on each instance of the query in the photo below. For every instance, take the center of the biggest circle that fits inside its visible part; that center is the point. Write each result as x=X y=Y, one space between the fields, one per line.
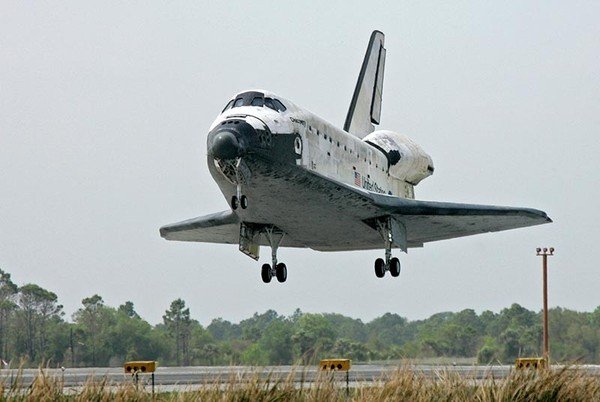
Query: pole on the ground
x=544 y=253
x=348 y=383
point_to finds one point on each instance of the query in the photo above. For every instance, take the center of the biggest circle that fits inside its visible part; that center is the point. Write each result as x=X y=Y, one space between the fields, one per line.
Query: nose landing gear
x=239 y=201
x=237 y=173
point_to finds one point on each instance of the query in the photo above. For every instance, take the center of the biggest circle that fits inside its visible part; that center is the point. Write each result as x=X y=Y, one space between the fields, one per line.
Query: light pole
x=544 y=253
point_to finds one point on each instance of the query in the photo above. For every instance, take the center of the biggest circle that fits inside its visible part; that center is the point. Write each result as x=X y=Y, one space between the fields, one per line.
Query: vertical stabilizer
x=365 y=108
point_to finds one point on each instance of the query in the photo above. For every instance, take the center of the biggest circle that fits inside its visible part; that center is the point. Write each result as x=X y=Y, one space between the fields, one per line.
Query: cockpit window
x=257 y=99
x=269 y=103
x=279 y=105
x=228 y=106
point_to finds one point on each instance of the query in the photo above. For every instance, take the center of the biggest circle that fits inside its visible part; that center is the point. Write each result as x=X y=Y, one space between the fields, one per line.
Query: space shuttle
x=292 y=179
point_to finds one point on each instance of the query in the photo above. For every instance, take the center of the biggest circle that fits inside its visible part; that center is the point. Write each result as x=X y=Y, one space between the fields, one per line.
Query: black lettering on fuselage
x=294 y=120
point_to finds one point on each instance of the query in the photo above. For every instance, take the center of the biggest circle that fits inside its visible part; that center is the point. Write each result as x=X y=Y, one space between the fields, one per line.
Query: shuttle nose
x=231 y=139
x=225 y=145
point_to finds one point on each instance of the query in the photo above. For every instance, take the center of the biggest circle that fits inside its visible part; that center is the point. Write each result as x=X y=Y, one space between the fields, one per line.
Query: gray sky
x=104 y=110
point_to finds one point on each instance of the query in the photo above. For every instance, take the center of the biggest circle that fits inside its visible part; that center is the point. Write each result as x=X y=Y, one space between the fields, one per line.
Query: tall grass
x=568 y=384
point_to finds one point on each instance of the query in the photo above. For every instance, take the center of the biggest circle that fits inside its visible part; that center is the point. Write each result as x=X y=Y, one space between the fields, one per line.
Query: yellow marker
x=147 y=366
x=335 y=364
x=530 y=363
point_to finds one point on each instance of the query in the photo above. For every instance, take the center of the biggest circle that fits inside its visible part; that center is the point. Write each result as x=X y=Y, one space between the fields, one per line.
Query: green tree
x=38 y=306
x=489 y=352
x=389 y=329
x=346 y=327
x=223 y=330
x=312 y=337
x=276 y=341
x=349 y=349
x=178 y=324
x=132 y=338
x=128 y=309
x=252 y=328
x=95 y=320
x=8 y=296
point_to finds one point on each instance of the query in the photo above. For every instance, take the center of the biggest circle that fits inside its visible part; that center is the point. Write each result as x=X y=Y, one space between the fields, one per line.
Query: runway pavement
x=187 y=376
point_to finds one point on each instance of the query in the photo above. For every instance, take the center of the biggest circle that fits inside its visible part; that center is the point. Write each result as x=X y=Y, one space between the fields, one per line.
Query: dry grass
x=567 y=384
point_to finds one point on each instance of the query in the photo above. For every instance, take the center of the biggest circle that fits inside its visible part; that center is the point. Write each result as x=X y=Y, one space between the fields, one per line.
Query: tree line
x=33 y=331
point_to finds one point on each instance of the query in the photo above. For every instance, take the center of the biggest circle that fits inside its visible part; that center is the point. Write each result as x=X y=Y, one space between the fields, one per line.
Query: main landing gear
x=278 y=270
x=391 y=264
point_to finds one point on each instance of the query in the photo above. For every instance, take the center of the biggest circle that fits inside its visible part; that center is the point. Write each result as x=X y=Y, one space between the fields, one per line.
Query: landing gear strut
x=278 y=270
x=242 y=175
x=391 y=264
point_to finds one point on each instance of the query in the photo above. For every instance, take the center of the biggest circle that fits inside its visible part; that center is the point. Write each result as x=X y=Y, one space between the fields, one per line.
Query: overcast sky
x=105 y=107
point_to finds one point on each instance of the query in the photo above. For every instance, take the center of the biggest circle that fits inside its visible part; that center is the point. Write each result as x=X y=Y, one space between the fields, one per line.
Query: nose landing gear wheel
x=244 y=202
x=379 y=268
x=395 y=267
x=281 y=272
x=265 y=273
x=234 y=202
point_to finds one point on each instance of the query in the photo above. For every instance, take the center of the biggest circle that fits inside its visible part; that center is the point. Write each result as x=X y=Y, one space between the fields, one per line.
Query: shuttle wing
x=348 y=221
x=427 y=221
x=221 y=227
x=365 y=108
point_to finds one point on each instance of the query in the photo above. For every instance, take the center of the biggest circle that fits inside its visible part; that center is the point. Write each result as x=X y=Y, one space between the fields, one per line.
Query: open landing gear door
x=398 y=234
x=249 y=241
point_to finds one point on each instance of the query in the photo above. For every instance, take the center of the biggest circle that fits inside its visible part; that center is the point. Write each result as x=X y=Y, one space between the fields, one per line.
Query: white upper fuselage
x=336 y=154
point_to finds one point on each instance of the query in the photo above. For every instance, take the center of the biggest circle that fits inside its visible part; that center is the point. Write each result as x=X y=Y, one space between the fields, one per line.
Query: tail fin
x=365 y=108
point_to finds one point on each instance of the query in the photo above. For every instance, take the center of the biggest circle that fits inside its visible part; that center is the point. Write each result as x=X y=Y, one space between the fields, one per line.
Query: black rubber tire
x=244 y=202
x=265 y=273
x=379 y=268
x=281 y=272
x=234 y=202
x=395 y=267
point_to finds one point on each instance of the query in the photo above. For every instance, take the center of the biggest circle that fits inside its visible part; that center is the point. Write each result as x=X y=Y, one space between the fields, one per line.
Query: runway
x=182 y=377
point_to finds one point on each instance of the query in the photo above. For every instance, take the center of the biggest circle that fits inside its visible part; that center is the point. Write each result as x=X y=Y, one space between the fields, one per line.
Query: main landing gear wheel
x=244 y=202
x=281 y=272
x=395 y=267
x=265 y=273
x=379 y=268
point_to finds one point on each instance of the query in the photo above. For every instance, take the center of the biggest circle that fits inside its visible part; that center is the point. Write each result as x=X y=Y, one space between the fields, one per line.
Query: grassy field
x=403 y=385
